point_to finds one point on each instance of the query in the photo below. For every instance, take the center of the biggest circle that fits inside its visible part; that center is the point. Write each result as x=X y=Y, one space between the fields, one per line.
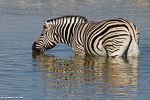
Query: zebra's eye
x=42 y=34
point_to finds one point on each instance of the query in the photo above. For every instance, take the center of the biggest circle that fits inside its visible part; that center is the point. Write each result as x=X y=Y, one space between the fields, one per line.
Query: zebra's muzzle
x=34 y=48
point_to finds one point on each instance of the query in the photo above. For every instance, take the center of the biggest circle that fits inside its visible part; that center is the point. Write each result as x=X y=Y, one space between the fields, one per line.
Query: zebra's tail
x=133 y=49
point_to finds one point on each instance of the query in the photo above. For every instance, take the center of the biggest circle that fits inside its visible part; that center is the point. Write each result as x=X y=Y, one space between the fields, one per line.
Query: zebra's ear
x=45 y=23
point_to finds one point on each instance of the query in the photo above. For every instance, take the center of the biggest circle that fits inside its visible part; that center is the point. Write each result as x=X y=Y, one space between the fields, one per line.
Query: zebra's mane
x=67 y=19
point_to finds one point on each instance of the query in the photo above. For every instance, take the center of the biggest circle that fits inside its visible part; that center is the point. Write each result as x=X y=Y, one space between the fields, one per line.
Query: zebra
x=114 y=37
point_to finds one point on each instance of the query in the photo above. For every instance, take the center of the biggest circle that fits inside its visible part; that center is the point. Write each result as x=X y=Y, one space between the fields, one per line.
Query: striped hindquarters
x=110 y=38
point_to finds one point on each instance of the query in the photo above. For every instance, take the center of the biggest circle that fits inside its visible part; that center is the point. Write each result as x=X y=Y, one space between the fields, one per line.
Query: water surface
x=58 y=73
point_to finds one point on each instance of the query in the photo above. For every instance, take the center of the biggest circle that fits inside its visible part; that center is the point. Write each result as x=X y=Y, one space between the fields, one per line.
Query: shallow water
x=58 y=74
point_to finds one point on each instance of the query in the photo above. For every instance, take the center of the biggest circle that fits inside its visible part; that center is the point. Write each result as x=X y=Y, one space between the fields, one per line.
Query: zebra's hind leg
x=116 y=47
x=100 y=49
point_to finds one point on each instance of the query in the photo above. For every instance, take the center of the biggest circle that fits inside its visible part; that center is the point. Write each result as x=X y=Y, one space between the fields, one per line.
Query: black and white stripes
x=114 y=37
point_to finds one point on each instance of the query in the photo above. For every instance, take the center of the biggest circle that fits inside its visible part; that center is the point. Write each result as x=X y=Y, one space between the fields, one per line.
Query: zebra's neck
x=65 y=33
x=64 y=26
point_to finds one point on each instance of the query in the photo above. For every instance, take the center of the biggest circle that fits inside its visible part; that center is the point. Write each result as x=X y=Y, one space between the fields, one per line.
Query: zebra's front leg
x=79 y=53
x=78 y=50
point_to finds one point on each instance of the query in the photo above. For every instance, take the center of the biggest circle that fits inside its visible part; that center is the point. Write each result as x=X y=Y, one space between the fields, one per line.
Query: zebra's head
x=56 y=30
x=46 y=40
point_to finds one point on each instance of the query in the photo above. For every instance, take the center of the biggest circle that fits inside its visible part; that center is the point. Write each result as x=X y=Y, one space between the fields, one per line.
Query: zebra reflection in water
x=117 y=73
x=114 y=37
